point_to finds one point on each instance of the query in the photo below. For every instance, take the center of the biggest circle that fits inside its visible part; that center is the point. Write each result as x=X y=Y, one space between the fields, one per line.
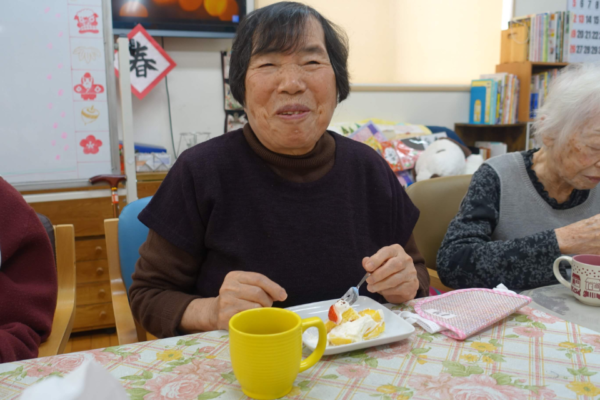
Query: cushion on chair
x=438 y=200
x=132 y=234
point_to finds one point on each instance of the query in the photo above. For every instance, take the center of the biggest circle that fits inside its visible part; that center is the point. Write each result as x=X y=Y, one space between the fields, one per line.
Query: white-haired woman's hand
x=582 y=237
x=393 y=274
x=240 y=291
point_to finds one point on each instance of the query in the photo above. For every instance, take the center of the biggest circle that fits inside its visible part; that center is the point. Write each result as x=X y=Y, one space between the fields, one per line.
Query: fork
x=352 y=294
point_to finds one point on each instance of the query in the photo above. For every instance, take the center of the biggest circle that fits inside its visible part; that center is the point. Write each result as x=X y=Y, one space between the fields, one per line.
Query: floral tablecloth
x=531 y=355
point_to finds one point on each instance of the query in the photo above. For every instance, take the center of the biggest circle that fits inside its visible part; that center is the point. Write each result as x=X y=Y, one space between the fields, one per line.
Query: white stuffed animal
x=445 y=157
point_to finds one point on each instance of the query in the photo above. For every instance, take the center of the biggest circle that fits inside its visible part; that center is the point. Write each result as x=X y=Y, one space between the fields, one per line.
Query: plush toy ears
x=464 y=148
x=441 y=158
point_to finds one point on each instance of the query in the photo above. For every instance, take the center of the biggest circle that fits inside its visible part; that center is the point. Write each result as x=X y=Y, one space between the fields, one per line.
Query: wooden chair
x=122 y=254
x=438 y=200
x=65 y=305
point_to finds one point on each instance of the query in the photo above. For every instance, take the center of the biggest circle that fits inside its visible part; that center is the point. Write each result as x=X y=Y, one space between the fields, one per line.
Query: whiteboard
x=55 y=119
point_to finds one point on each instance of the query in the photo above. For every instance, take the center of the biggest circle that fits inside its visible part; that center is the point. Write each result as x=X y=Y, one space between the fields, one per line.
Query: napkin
x=426 y=324
x=432 y=327
x=88 y=382
x=502 y=288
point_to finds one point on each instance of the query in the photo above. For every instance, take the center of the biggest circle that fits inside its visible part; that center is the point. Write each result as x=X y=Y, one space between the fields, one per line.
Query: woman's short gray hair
x=573 y=99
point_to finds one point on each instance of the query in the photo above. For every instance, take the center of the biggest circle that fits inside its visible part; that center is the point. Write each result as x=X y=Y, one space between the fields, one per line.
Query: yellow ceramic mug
x=266 y=350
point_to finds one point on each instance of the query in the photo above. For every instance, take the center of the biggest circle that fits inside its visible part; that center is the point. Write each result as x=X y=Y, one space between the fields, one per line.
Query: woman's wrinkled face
x=578 y=160
x=290 y=98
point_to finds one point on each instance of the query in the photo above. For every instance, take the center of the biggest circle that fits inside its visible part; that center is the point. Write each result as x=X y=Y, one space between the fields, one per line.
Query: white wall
x=196 y=93
x=526 y=7
x=416 y=41
x=427 y=108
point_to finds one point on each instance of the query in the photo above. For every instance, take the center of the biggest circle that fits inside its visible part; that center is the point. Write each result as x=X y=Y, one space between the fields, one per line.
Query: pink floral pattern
x=529 y=332
x=39 y=371
x=131 y=358
x=205 y=369
x=62 y=364
x=544 y=394
x=67 y=363
x=397 y=349
x=538 y=316
x=102 y=357
x=425 y=366
x=483 y=387
x=594 y=340
x=170 y=387
x=106 y=357
x=432 y=387
x=353 y=371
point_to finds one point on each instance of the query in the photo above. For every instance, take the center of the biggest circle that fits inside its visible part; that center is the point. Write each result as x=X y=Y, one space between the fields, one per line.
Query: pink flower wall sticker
x=90 y=145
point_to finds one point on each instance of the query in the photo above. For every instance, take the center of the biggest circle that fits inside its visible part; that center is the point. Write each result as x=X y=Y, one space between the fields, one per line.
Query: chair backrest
x=62 y=324
x=438 y=200
x=132 y=234
x=49 y=230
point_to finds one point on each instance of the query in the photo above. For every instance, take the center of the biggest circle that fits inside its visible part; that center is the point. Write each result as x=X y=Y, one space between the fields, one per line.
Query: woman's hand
x=582 y=237
x=240 y=291
x=393 y=274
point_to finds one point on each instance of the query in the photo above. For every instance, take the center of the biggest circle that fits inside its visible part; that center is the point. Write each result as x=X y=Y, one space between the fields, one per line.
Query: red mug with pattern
x=585 y=277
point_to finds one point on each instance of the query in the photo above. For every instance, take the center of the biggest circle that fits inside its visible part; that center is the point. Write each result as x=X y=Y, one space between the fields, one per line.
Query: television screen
x=195 y=18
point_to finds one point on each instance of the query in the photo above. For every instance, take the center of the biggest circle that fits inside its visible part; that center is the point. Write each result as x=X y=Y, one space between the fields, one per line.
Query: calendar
x=584 y=40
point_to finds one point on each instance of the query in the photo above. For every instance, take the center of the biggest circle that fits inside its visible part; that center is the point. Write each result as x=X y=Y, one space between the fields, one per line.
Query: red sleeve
x=28 y=283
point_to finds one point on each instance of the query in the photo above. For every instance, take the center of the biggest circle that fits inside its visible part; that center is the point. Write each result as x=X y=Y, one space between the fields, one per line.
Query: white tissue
x=426 y=324
x=88 y=382
x=502 y=288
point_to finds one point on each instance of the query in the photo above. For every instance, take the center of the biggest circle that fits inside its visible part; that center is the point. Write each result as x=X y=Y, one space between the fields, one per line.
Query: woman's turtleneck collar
x=305 y=168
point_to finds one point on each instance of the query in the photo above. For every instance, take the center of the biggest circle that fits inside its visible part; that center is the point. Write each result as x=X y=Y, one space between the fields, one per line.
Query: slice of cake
x=346 y=326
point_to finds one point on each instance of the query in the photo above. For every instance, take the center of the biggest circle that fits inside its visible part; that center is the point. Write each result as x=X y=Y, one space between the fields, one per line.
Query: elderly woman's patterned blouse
x=468 y=257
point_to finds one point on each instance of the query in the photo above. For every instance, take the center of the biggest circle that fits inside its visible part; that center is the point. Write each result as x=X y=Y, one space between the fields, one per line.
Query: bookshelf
x=514 y=135
x=524 y=70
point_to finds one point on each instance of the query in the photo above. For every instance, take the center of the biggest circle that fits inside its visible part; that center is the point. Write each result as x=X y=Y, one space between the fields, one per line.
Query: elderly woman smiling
x=523 y=210
x=280 y=212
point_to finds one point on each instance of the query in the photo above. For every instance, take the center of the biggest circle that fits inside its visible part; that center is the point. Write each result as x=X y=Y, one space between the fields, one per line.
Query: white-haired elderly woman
x=523 y=210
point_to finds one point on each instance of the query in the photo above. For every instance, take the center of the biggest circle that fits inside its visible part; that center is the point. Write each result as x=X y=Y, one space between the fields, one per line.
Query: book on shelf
x=491 y=149
x=566 y=39
x=494 y=99
x=549 y=35
x=539 y=89
x=515 y=100
x=482 y=95
x=552 y=37
x=544 y=37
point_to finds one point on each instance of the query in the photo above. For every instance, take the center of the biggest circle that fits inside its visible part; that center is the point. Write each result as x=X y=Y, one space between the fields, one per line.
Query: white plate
x=395 y=327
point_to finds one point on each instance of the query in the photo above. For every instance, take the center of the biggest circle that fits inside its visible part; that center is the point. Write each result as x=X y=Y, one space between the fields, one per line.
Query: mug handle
x=557 y=272
x=320 y=349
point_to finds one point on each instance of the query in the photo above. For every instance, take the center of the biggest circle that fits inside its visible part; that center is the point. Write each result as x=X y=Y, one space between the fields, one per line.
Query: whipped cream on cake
x=353 y=330
x=346 y=326
x=337 y=310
